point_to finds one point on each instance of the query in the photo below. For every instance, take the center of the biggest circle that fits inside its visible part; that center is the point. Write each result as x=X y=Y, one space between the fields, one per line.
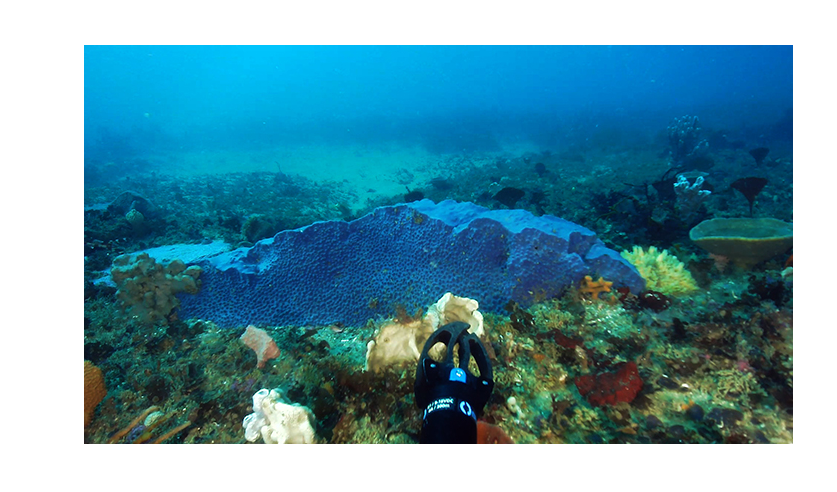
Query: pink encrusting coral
x=261 y=343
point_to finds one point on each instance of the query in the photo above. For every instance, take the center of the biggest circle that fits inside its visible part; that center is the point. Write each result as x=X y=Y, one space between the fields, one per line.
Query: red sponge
x=609 y=388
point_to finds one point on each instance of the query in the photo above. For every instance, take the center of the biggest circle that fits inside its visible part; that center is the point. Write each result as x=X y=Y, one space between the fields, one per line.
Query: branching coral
x=735 y=382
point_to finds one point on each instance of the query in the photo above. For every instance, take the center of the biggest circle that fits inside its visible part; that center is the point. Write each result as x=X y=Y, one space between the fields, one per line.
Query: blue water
x=445 y=98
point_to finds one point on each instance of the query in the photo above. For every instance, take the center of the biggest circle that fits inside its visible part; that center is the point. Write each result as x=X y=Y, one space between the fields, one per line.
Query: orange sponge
x=588 y=286
x=491 y=434
x=94 y=390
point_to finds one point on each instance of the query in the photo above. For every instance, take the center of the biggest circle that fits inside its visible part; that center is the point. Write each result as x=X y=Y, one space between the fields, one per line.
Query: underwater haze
x=142 y=101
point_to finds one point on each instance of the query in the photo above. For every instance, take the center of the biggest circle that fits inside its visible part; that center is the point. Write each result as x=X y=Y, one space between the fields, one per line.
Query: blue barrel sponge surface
x=407 y=255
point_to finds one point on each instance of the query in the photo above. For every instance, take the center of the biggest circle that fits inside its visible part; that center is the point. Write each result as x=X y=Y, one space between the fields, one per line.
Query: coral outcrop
x=129 y=201
x=94 y=390
x=406 y=255
x=278 y=422
x=662 y=271
x=147 y=289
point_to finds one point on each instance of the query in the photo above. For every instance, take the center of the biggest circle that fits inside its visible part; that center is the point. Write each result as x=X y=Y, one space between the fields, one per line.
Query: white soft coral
x=278 y=422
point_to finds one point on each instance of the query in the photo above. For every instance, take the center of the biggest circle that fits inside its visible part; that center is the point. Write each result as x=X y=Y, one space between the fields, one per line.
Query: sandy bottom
x=366 y=172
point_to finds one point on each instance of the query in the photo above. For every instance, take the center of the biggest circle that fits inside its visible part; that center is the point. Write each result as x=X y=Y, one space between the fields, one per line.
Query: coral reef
x=147 y=289
x=716 y=365
x=694 y=377
x=662 y=271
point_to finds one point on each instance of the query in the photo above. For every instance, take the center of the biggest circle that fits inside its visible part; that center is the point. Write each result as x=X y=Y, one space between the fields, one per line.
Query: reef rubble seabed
x=403 y=256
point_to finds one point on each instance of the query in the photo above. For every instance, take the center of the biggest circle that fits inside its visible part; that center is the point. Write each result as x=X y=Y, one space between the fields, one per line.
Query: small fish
x=509 y=196
x=441 y=184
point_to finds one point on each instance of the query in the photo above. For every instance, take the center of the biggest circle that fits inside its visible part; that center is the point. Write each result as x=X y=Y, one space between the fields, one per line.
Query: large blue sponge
x=409 y=255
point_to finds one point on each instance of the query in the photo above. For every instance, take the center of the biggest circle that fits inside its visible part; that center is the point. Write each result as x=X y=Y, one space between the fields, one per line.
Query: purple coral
x=407 y=255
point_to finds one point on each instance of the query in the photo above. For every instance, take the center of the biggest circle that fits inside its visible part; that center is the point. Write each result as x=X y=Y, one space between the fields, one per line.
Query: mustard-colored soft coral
x=662 y=272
